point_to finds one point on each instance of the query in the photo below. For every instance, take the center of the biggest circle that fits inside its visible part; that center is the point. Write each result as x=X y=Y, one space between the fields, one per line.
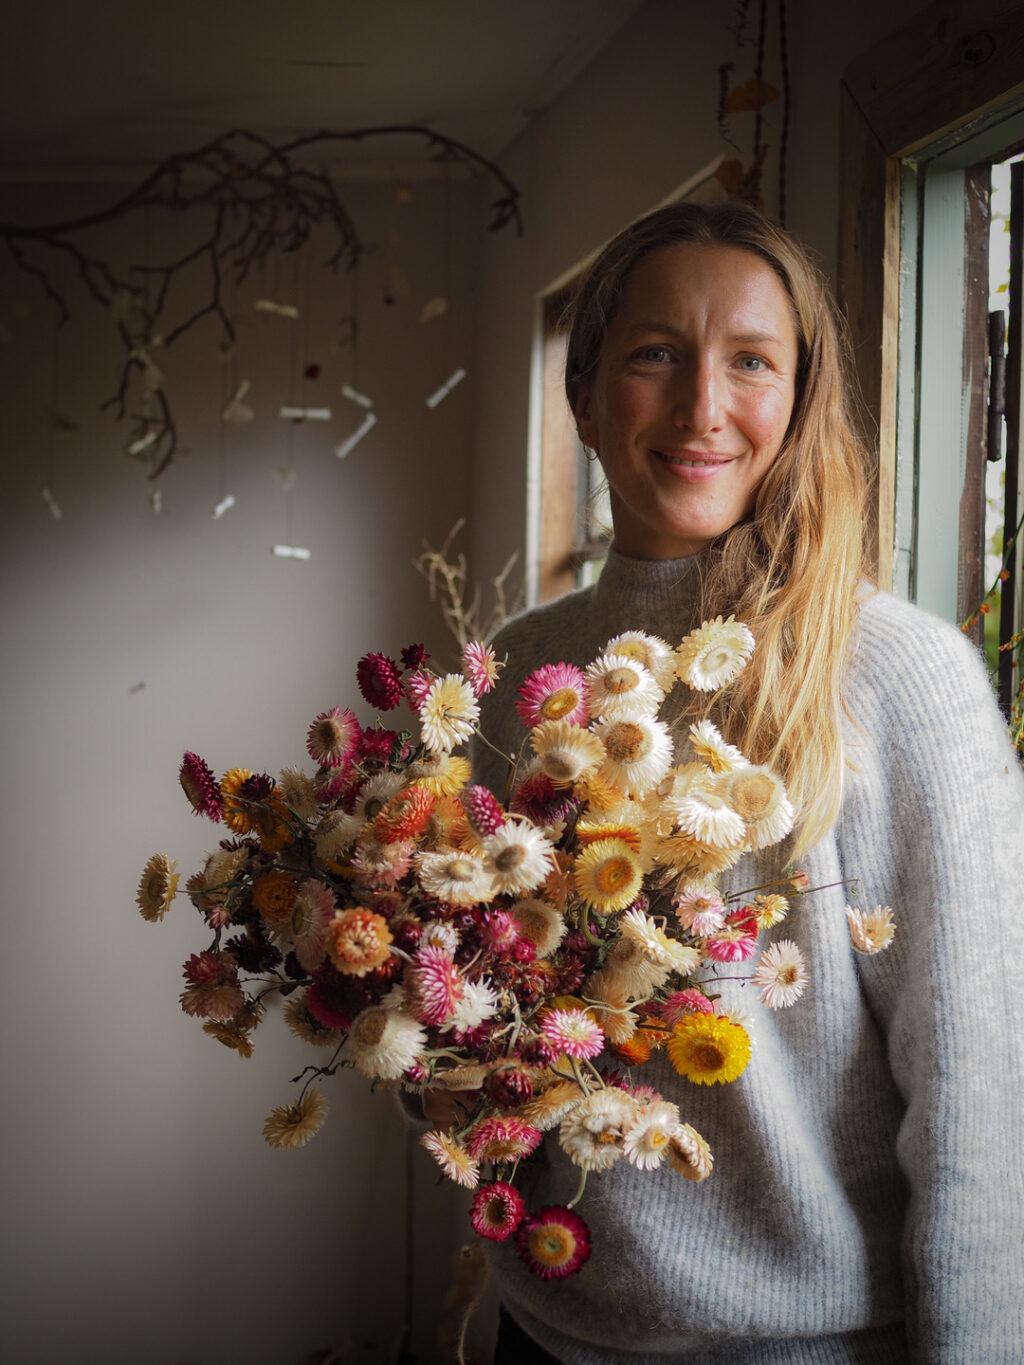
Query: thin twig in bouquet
x=448 y=579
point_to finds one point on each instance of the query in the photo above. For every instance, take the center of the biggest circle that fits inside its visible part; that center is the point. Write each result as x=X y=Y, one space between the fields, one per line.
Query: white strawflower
x=655 y=655
x=619 y=687
x=384 y=1043
x=714 y=654
x=712 y=749
x=781 y=975
x=647 y=1140
x=454 y=876
x=870 y=930
x=592 y=1135
x=518 y=856
x=638 y=753
x=479 y=1002
x=706 y=815
x=449 y=714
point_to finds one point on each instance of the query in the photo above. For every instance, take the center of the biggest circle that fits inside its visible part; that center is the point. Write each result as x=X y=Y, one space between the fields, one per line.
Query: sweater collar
x=660 y=594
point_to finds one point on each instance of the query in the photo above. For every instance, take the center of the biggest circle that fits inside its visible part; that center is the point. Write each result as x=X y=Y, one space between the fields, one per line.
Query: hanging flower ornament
x=516 y=955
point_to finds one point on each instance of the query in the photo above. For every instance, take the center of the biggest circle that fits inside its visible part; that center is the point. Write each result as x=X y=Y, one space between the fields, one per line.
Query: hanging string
x=48 y=495
x=787 y=99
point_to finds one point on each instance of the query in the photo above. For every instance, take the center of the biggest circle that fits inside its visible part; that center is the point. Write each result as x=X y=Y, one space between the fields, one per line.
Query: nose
x=697 y=400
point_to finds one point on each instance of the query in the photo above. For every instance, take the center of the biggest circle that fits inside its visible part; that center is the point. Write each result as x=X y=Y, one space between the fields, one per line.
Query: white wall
x=632 y=127
x=144 y=1218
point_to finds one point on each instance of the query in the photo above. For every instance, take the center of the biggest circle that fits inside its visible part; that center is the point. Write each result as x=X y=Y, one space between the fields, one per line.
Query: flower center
x=510 y=858
x=461 y=870
x=552 y=1246
x=625 y=742
x=370 y=1029
x=751 y=794
x=708 y=1057
x=614 y=874
x=619 y=680
x=560 y=767
x=559 y=704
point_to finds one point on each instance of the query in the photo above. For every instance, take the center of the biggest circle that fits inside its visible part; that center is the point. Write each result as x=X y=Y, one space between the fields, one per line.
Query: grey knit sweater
x=866 y=1202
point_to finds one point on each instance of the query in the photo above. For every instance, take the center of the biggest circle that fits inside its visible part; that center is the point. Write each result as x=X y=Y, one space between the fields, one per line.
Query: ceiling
x=102 y=89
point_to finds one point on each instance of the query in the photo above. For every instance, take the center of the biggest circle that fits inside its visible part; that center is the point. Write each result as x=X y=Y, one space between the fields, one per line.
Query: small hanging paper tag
x=291 y=552
x=456 y=378
x=306 y=414
x=225 y=505
x=434 y=308
x=156 y=501
x=354 y=396
x=281 y=310
x=143 y=443
x=51 y=503
x=367 y=424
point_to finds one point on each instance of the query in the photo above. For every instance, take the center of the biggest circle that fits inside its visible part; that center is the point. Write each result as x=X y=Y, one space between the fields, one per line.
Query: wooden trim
x=971 y=565
x=948 y=68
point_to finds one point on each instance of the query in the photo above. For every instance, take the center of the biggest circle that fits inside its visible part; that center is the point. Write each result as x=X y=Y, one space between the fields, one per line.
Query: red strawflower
x=553 y=1242
x=413 y=656
x=483 y=809
x=200 y=786
x=380 y=681
x=497 y=1211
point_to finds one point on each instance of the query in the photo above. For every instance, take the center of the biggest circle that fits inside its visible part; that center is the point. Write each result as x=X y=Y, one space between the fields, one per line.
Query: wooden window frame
x=949 y=71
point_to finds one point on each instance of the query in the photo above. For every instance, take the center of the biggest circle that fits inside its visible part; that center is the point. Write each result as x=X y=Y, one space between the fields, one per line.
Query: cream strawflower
x=297 y=793
x=870 y=930
x=657 y=945
x=638 y=752
x=292 y=1125
x=781 y=975
x=453 y=1159
x=608 y=875
x=689 y=1154
x=375 y=793
x=760 y=799
x=714 y=654
x=706 y=815
x=157 y=887
x=518 y=856
x=385 y=1043
x=455 y=876
x=618 y=687
x=547 y=1109
x=592 y=1135
x=699 y=907
x=449 y=714
x=565 y=752
x=540 y=922
x=628 y=973
x=335 y=833
x=655 y=655
x=712 y=749
x=646 y=1142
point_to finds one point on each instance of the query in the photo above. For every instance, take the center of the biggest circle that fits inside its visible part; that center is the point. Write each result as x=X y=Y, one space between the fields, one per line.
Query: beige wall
x=144 y=1217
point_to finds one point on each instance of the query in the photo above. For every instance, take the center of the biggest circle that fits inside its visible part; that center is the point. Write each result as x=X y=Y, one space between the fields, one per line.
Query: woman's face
x=692 y=396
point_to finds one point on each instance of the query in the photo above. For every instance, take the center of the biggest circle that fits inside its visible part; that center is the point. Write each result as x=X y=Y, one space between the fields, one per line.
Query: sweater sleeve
x=934 y=819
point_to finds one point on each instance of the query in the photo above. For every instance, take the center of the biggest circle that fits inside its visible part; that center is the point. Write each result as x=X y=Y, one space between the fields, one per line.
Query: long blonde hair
x=791 y=569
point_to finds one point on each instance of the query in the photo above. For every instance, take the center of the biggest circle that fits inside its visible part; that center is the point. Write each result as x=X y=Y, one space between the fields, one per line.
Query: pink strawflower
x=502 y=1139
x=376 y=744
x=553 y=692
x=781 y=975
x=331 y=783
x=380 y=681
x=332 y=738
x=573 y=1032
x=479 y=667
x=434 y=985
x=496 y=1211
x=553 y=1242
x=681 y=1003
x=540 y=800
x=417 y=685
x=736 y=941
x=498 y=931
x=213 y=991
x=201 y=787
x=483 y=809
x=699 y=908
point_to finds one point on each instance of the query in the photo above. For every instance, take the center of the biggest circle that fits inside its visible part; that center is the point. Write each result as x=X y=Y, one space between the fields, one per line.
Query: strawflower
x=781 y=975
x=553 y=692
x=870 y=930
x=449 y=714
x=200 y=786
x=453 y=1159
x=157 y=888
x=480 y=667
x=714 y=654
x=380 y=681
x=709 y=1048
x=292 y=1125
x=496 y=1211
x=573 y=1032
x=553 y=1242
x=332 y=738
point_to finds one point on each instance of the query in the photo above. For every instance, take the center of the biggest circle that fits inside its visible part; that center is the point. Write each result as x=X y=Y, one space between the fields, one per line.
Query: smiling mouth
x=693 y=462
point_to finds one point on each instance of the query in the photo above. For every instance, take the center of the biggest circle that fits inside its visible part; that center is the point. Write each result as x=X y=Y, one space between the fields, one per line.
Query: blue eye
x=655 y=354
x=753 y=364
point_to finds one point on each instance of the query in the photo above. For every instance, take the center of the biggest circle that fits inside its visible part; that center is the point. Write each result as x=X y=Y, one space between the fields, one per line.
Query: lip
x=692 y=466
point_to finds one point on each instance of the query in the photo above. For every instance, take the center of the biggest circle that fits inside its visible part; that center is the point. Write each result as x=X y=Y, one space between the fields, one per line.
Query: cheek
x=766 y=421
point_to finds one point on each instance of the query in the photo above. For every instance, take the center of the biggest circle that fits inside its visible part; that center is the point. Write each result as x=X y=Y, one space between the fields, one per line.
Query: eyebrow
x=742 y=338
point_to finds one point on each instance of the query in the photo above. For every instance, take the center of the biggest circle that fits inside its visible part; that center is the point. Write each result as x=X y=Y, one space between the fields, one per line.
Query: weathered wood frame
x=950 y=68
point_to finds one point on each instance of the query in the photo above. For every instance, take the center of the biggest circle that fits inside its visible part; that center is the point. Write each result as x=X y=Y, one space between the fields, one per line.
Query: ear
x=583 y=412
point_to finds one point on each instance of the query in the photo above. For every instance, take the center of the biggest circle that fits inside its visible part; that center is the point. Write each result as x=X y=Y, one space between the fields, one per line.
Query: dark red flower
x=380 y=681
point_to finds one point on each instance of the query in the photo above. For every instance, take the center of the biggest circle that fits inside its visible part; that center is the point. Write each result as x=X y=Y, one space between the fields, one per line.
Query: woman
x=866 y=1198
